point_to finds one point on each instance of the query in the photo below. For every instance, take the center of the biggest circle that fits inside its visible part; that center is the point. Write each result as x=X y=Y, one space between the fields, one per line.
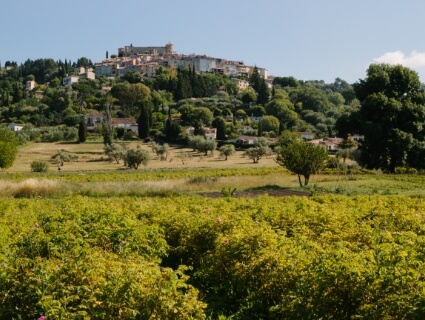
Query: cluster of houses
x=148 y=60
x=129 y=124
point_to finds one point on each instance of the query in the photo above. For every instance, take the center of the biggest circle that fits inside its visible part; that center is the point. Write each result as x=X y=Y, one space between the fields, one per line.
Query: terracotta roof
x=123 y=121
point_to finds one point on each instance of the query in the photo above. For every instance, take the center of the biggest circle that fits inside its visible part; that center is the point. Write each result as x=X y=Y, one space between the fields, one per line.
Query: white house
x=306 y=135
x=30 y=85
x=67 y=81
x=93 y=120
x=15 y=126
x=126 y=123
x=331 y=144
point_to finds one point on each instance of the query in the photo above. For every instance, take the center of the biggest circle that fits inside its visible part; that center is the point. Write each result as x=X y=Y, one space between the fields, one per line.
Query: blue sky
x=307 y=39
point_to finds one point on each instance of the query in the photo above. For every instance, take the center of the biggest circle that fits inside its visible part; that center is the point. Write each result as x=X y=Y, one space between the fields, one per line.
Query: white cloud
x=414 y=60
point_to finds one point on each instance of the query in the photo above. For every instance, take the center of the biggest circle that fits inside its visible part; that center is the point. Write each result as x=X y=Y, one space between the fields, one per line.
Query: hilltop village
x=148 y=60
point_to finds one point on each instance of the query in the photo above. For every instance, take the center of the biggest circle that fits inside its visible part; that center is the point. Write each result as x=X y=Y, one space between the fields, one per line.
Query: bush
x=60 y=134
x=119 y=132
x=39 y=166
x=404 y=170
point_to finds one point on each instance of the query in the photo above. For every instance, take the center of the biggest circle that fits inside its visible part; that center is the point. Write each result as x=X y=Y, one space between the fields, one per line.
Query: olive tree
x=227 y=150
x=261 y=149
x=137 y=156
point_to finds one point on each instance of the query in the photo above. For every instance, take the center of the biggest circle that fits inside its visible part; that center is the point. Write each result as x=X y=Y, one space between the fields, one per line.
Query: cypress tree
x=82 y=131
x=144 y=119
x=255 y=80
x=263 y=93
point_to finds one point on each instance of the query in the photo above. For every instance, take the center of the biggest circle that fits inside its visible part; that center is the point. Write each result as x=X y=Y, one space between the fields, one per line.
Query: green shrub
x=39 y=166
x=405 y=170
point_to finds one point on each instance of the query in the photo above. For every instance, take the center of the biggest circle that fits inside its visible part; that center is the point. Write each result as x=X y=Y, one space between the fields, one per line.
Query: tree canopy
x=8 y=148
x=302 y=158
x=391 y=117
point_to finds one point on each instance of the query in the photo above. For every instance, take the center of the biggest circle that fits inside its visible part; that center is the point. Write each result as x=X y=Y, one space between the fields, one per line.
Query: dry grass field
x=92 y=158
x=93 y=174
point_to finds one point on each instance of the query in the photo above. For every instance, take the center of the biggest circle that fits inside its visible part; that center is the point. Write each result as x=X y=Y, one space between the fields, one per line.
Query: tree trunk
x=299 y=180
x=306 y=179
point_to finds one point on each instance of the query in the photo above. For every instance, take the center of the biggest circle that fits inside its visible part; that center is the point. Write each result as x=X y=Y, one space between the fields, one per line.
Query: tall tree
x=82 y=130
x=220 y=124
x=263 y=93
x=255 y=80
x=144 y=121
x=184 y=89
x=391 y=117
x=8 y=148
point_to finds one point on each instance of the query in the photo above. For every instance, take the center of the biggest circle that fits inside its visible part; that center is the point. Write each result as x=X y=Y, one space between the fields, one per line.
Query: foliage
x=8 y=152
x=270 y=124
x=220 y=124
x=137 y=156
x=195 y=141
x=192 y=257
x=8 y=148
x=116 y=152
x=302 y=158
x=82 y=131
x=227 y=150
x=63 y=156
x=39 y=166
x=261 y=149
x=59 y=134
x=391 y=116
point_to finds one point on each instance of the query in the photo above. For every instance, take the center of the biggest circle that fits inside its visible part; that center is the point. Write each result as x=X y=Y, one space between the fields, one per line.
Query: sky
x=306 y=39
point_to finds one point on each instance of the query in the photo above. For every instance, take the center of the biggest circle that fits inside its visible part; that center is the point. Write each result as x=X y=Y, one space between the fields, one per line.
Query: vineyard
x=194 y=257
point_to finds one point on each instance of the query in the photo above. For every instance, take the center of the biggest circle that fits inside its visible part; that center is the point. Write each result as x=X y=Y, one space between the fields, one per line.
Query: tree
x=286 y=82
x=107 y=128
x=302 y=158
x=82 y=131
x=220 y=124
x=137 y=156
x=204 y=115
x=391 y=118
x=227 y=150
x=172 y=130
x=132 y=77
x=115 y=152
x=129 y=96
x=261 y=148
x=263 y=93
x=270 y=123
x=255 y=80
x=144 y=120
x=206 y=145
x=247 y=95
x=8 y=148
x=195 y=141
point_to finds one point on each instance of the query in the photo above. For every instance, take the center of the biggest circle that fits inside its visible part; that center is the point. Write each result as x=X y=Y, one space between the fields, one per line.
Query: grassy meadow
x=183 y=172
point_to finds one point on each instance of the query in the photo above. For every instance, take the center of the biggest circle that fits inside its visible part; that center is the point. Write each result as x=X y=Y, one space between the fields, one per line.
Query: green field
x=112 y=243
